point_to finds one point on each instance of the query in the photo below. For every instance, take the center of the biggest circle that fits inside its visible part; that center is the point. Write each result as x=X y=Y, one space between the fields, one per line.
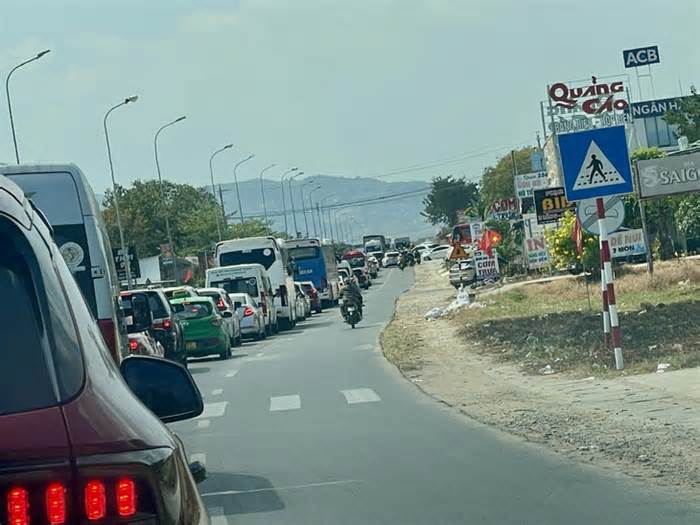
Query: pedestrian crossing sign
x=595 y=163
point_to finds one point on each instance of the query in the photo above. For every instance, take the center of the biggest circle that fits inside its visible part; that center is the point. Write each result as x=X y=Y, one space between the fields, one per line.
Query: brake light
x=18 y=506
x=220 y=304
x=56 y=504
x=248 y=311
x=133 y=345
x=163 y=324
x=126 y=497
x=95 y=500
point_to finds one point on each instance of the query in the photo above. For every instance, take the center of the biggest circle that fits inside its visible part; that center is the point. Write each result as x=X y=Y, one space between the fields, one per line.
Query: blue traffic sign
x=595 y=163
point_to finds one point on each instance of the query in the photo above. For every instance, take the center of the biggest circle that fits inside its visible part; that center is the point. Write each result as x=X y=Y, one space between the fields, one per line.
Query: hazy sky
x=347 y=87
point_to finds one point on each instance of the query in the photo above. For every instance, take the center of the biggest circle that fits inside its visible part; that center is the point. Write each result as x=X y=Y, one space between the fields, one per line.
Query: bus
x=272 y=254
x=315 y=261
x=63 y=194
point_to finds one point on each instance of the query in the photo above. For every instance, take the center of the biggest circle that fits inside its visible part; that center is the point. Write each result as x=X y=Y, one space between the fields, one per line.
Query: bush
x=562 y=247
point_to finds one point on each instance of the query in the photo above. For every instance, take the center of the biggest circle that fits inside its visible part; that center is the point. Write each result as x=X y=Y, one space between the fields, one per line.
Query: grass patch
x=551 y=324
x=401 y=344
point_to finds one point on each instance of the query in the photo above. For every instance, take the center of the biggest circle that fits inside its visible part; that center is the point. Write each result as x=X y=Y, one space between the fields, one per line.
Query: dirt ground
x=646 y=426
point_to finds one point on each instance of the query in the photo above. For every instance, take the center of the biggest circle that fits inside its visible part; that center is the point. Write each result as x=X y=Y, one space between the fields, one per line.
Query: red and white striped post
x=604 y=289
x=608 y=287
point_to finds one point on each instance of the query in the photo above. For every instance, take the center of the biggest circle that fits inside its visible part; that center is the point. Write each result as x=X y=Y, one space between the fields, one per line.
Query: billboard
x=625 y=243
x=551 y=205
x=487 y=267
x=675 y=174
x=534 y=244
x=641 y=56
x=526 y=183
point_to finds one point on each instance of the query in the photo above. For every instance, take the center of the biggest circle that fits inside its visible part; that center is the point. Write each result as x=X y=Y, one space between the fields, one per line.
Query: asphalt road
x=314 y=426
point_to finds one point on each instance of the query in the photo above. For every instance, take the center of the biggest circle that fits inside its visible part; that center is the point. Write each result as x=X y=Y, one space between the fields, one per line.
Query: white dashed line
x=217 y=516
x=199 y=456
x=204 y=423
x=231 y=373
x=217 y=391
x=214 y=409
x=278 y=403
x=360 y=395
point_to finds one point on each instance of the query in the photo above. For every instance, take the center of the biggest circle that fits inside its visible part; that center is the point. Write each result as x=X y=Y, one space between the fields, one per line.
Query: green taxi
x=203 y=326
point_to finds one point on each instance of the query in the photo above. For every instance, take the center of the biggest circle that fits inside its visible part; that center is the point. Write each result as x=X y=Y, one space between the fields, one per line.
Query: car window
x=24 y=371
x=247 y=285
x=157 y=306
x=192 y=310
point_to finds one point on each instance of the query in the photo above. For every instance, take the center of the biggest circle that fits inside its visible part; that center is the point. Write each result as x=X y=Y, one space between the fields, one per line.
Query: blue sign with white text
x=595 y=163
x=641 y=56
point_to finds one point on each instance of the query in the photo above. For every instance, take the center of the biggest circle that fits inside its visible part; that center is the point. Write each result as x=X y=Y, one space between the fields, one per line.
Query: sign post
x=596 y=164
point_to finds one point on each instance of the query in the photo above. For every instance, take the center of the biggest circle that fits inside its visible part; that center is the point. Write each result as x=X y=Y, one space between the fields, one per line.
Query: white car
x=391 y=259
x=250 y=314
x=439 y=253
x=303 y=301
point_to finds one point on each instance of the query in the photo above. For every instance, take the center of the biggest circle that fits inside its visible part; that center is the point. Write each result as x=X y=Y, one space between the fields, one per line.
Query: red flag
x=577 y=236
x=485 y=243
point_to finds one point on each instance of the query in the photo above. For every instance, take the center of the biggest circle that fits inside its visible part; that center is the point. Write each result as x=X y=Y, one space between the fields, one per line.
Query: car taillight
x=95 y=500
x=56 y=503
x=126 y=497
x=18 y=506
x=248 y=311
x=163 y=324
x=220 y=304
x=133 y=345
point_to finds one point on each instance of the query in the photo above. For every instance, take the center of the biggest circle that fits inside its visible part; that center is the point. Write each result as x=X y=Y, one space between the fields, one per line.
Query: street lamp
x=320 y=216
x=262 y=189
x=213 y=186
x=115 y=191
x=9 y=103
x=311 y=205
x=235 y=179
x=303 y=204
x=166 y=211
x=291 y=198
x=284 y=203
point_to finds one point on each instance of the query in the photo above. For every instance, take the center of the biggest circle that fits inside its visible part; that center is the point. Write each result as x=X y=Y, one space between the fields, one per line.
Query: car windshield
x=247 y=285
x=264 y=256
x=304 y=252
x=356 y=262
x=192 y=310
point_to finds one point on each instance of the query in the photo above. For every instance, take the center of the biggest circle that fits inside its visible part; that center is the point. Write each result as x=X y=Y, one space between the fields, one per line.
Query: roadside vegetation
x=549 y=327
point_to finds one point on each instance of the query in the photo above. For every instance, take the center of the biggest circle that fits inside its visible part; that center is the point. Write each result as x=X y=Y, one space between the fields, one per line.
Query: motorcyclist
x=351 y=294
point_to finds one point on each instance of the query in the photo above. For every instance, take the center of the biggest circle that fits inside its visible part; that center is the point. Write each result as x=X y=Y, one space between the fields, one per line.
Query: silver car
x=250 y=314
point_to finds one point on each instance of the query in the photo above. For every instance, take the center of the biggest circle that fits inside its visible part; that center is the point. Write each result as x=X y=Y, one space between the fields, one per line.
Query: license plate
x=351 y=309
x=192 y=345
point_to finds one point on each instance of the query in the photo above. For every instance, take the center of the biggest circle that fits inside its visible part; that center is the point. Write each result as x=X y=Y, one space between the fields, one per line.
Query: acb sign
x=641 y=56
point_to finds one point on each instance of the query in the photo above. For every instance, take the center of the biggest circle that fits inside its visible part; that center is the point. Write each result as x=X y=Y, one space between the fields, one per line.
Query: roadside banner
x=534 y=243
x=120 y=263
x=675 y=174
x=477 y=230
x=487 y=266
x=625 y=243
x=526 y=183
x=505 y=209
x=551 y=205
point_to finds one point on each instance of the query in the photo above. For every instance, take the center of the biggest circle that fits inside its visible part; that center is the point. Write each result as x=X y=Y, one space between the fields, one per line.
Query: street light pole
x=166 y=210
x=284 y=203
x=235 y=179
x=213 y=185
x=9 y=103
x=320 y=214
x=262 y=191
x=311 y=206
x=291 y=198
x=115 y=191
x=303 y=205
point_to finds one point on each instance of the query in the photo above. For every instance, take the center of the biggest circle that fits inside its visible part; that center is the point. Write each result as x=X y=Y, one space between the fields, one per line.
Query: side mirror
x=226 y=313
x=165 y=387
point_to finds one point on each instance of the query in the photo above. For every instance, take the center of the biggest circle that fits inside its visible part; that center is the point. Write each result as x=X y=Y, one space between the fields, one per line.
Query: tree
x=446 y=196
x=499 y=180
x=688 y=216
x=687 y=118
x=562 y=247
x=192 y=211
x=511 y=242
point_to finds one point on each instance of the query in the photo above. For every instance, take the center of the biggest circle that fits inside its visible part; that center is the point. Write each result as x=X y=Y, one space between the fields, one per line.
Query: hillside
x=397 y=216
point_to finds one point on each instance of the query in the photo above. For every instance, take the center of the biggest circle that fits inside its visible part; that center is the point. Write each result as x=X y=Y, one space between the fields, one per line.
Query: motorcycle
x=351 y=313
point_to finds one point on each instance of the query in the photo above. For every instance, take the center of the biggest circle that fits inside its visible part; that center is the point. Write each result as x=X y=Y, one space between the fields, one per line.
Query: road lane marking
x=217 y=391
x=283 y=487
x=204 y=423
x=216 y=515
x=199 y=456
x=278 y=403
x=360 y=395
x=231 y=373
x=214 y=409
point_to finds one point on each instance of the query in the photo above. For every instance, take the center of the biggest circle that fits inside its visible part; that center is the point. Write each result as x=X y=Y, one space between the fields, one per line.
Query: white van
x=271 y=253
x=251 y=279
x=64 y=196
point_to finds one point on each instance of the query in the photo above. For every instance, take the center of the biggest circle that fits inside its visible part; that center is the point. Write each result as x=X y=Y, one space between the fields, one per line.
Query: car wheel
x=238 y=341
x=225 y=354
